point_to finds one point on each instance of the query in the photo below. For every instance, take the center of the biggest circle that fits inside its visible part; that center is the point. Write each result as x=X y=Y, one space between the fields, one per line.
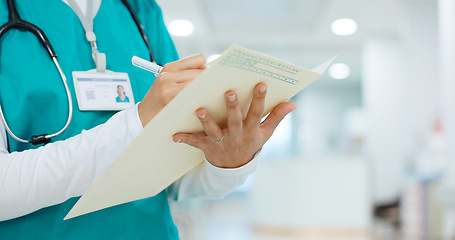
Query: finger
x=179 y=77
x=254 y=116
x=275 y=117
x=234 y=115
x=192 y=62
x=194 y=140
x=210 y=127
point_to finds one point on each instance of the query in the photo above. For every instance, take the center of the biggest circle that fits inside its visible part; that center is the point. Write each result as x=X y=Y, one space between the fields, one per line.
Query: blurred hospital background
x=370 y=151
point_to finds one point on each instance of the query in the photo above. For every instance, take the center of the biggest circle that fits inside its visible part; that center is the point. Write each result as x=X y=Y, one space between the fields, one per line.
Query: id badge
x=106 y=91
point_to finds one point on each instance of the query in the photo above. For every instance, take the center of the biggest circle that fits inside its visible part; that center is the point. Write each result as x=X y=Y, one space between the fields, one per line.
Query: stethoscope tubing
x=70 y=100
x=16 y=22
x=46 y=136
x=139 y=27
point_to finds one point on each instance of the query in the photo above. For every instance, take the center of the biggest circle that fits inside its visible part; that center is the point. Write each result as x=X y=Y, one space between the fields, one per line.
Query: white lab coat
x=34 y=179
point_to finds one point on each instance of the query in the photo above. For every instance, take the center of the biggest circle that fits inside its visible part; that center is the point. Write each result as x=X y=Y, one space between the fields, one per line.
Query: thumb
x=278 y=113
x=196 y=141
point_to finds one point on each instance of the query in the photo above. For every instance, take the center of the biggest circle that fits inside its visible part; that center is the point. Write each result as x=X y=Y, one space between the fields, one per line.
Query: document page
x=153 y=161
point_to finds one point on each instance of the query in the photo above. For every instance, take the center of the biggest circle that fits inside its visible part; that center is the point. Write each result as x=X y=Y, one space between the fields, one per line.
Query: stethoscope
x=15 y=22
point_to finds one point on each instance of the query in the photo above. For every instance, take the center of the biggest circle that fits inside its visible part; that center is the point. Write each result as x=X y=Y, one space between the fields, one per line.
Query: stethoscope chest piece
x=15 y=22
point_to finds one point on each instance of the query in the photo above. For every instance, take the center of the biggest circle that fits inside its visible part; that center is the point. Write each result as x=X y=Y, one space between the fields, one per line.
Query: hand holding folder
x=153 y=161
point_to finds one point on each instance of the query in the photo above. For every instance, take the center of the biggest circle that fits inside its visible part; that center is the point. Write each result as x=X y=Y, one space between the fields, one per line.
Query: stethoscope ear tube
x=139 y=27
x=42 y=38
x=45 y=138
x=16 y=22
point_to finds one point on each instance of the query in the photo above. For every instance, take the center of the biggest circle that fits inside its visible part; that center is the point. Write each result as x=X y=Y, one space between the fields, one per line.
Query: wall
x=401 y=97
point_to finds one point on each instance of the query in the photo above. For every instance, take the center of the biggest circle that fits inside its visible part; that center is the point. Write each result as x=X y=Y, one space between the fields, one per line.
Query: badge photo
x=107 y=91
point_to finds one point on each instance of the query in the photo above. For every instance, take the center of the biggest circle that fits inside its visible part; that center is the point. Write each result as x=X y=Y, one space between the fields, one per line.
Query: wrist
x=233 y=162
x=145 y=113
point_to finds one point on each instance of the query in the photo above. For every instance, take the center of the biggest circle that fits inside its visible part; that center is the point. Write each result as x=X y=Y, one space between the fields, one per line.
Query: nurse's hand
x=236 y=145
x=173 y=78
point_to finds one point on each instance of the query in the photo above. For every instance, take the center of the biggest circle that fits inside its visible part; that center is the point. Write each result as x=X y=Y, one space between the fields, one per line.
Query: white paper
x=153 y=161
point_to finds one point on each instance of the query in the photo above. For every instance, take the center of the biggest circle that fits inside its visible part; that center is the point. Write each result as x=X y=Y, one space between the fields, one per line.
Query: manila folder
x=153 y=161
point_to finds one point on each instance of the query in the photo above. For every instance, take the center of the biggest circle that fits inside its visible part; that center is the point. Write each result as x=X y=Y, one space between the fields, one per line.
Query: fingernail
x=231 y=98
x=263 y=89
x=178 y=140
x=202 y=116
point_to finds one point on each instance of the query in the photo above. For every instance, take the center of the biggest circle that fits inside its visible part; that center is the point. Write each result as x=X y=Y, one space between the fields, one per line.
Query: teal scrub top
x=34 y=102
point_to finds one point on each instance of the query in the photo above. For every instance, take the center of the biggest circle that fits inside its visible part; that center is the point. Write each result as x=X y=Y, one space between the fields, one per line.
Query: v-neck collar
x=53 y=13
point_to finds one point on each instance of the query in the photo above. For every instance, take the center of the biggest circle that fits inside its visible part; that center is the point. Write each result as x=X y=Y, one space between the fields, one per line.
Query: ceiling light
x=344 y=27
x=339 y=71
x=181 y=28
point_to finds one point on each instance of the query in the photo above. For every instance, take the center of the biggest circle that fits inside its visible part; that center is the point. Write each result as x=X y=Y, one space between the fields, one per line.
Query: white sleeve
x=33 y=179
x=209 y=182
